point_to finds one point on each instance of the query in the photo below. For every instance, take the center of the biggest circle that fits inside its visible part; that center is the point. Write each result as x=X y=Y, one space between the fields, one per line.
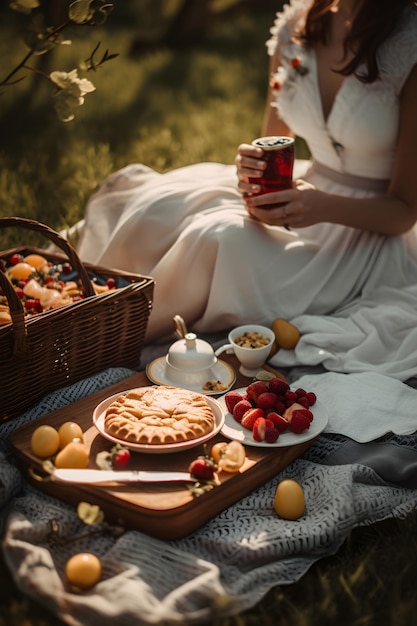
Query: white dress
x=217 y=267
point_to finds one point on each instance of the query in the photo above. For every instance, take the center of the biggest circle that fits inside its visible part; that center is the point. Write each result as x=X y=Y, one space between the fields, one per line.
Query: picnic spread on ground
x=170 y=558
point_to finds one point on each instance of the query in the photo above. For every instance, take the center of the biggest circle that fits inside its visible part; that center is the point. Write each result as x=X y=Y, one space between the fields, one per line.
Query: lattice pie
x=159 y=415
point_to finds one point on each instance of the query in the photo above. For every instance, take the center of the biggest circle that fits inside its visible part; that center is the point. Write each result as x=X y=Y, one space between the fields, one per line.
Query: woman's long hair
x=374 y=22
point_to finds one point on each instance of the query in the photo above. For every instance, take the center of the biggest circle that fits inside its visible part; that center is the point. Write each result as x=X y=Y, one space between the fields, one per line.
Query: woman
x=343 y=77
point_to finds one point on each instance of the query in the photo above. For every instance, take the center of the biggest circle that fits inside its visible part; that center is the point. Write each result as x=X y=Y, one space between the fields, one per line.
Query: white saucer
x=157 y=372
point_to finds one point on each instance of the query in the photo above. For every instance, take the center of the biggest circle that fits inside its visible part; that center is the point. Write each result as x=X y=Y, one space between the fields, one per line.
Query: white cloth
x=364 y=406
x=376 y=332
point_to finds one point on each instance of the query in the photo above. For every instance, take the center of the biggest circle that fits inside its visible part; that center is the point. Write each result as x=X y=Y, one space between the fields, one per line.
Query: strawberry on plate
x=282 y=417
x=255 y=389
x=299 y=422
x=279 y=422
x=240 y=409
x=259 y=429
x=271 y=434
x=250 y=417
x=231 y=398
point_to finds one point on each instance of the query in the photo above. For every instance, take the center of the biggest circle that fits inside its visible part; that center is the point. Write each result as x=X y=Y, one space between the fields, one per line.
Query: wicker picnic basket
x=45 y=352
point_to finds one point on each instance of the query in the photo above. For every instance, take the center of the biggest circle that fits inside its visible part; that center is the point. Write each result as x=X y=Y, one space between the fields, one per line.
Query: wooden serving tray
x=165 y=511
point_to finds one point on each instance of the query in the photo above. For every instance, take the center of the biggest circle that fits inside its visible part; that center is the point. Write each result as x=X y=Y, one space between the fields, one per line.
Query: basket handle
x=17 y=314
x=17 y=311
x=59 y=241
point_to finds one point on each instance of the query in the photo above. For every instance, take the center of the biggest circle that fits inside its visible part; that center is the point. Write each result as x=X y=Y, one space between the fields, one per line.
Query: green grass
x=170 y=109
x=166 y=109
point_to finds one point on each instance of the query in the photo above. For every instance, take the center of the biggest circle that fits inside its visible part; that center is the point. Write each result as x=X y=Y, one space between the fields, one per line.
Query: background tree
x=193 y=19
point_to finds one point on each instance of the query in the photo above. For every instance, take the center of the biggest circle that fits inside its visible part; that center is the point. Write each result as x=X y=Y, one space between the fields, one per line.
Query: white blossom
x=70 y=94
x=24 y=6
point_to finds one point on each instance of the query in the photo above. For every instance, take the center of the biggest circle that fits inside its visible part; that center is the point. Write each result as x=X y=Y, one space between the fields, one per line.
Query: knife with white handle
x=92 y=476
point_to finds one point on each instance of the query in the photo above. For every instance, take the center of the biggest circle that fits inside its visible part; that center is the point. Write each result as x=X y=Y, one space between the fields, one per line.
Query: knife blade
x=92 y=476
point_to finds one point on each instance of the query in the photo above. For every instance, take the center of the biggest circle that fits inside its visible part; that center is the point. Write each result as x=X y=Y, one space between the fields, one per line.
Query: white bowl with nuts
x=252 y=345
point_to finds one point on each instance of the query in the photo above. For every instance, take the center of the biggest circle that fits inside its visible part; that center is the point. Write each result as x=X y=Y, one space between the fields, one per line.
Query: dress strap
x=359 y=182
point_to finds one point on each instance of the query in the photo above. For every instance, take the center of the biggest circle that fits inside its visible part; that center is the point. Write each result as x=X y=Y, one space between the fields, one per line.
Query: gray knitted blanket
x=223 y=568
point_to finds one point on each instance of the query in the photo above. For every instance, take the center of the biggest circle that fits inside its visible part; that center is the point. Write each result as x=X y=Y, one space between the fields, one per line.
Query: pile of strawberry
x=271 y=408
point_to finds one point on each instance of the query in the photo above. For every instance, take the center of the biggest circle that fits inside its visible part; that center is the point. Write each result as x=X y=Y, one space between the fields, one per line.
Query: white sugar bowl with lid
x=189 y=360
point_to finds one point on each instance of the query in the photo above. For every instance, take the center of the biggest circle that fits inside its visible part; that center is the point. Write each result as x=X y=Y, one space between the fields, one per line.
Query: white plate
x=157 y=372
x=233 y=430
x=98 y=420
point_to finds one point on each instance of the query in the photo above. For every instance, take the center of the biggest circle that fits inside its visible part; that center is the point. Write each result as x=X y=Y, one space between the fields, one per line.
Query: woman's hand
x=291 y=208
x=249 y=164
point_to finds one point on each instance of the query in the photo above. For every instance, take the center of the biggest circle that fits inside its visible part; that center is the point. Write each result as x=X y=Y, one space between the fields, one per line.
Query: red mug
x=279 y=157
